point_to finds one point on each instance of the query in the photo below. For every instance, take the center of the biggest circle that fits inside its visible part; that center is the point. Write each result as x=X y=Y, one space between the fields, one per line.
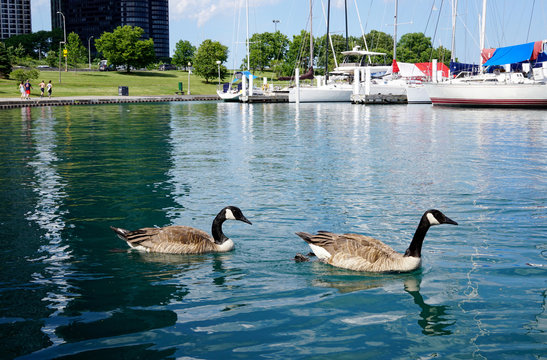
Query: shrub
x=22 y=74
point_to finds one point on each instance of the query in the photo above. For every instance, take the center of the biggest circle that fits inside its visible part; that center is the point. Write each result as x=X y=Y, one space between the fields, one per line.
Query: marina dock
x=10 y=103
x=378 y=99
x=273 y=98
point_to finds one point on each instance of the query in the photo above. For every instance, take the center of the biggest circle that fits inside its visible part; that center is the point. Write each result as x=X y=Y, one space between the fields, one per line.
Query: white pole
x=395 y=32
x=311 y=35
x=251 y=84
x=89 y=50
x=244 y=86
x=434 y=70
x=483 y=29
x=297 y=79
x=356 y=81
x=247 y=42
x=454 y=16
x=367 y=80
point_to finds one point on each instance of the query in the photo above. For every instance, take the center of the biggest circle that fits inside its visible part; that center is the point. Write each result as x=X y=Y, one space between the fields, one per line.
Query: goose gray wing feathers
x=170 y=239
x=354 y=252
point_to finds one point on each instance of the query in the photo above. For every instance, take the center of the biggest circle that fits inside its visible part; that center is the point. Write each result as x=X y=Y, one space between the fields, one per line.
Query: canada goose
x=183 y=239
x=364 y=253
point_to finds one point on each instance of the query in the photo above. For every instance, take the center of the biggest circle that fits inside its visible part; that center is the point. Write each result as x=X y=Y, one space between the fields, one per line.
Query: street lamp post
x=60 y=51
x=64 y=42
x=218 y=64
x=189 y=72
x=89 y=50
x=275 y=24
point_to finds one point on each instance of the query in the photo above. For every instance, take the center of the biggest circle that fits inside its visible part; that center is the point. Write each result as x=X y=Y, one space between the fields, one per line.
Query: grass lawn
x=99 y=83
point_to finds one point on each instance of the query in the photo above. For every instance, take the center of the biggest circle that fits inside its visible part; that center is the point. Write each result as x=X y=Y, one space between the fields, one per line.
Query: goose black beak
x=447 y=220
x=244 y=219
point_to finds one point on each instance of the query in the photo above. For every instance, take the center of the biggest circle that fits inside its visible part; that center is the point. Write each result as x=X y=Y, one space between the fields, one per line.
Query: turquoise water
x=70 y=289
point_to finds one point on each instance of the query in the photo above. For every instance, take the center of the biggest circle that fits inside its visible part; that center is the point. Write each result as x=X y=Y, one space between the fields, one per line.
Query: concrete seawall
x=10 y=103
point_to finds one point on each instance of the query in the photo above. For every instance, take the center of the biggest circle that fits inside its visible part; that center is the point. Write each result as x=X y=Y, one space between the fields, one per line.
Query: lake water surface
x=70 y=289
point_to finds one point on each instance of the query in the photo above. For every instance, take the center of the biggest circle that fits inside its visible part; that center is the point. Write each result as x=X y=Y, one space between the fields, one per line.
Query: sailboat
x=339 y=87
x=230 y=93
x=392 y=84
x=498 y=89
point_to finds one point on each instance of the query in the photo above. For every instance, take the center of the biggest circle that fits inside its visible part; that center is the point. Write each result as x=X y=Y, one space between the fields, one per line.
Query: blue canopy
x=456 y=68
x=240 y=73
x=511 y=54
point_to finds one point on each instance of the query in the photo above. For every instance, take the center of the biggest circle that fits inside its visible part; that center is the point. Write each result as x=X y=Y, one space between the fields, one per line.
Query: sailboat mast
x=346 y=10
x=395 y=31
x=454 y=16
x=311 y=35
x=247 y=41
x=483 y=29
x=327 y=44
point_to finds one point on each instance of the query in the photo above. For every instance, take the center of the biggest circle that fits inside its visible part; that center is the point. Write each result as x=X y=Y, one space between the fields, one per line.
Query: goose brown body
x=365 y=253
x=173 y=240
x=358 y=252
x=183 y=239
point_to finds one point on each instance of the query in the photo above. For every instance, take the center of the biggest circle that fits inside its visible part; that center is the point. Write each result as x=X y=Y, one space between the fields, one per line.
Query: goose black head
x=435 y=217
x=234 y=213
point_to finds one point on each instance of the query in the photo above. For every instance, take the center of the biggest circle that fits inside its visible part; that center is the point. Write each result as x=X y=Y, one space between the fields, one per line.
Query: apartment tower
x=92 y=18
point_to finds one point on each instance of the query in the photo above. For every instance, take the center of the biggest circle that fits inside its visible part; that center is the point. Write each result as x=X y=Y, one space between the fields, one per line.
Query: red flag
x=395 y=67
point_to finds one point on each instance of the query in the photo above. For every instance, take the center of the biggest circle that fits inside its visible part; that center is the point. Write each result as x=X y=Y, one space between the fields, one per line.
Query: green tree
x=124 y=46
x=442 y=55
x=379 y=41
x=19 y=51
x=298 y=54
x=184 y=53
x=22 y=74
x=339 y=45
x=36 y=44
x=5 y=61
x=76 y=52
x=265 y=48
x=52 y=58
x=414 y=48
x=205 y=60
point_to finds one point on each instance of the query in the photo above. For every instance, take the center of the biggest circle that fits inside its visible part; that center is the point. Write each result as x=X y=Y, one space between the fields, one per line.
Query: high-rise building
x=92 y=18
x=14 y=18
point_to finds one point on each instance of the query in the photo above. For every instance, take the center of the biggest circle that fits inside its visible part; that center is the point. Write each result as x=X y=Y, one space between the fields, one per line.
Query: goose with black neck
x=184 y=239
x=365 y=253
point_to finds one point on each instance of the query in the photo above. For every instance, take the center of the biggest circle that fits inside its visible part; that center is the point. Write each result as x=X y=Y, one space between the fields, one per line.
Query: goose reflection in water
x=180 y=265
x=434 y=320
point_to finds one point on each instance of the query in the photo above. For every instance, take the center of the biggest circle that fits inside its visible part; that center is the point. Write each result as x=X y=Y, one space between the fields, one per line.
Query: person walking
x=28 y=86
x=49 y=87
x=42 y=88
x=22 y=89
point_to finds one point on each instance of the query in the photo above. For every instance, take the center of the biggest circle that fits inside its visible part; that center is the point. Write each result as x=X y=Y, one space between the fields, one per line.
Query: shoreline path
x=10 y=103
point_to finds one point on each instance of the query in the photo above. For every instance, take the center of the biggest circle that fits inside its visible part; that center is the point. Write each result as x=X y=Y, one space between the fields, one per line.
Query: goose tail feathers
x=122 y=233
x=305 y=236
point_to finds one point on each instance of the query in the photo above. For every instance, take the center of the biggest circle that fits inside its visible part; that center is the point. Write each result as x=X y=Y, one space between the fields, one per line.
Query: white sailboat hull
x=327 y=93
x=488 y=94
x=229 y=96
x=417 y=94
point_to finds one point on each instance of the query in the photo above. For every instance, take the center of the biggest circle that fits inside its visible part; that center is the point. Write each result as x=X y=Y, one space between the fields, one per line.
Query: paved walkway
x=8 y=103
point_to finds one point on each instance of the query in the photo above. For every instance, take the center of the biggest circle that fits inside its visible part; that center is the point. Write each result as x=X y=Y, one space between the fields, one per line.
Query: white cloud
x=199 y=10
x=204 y=10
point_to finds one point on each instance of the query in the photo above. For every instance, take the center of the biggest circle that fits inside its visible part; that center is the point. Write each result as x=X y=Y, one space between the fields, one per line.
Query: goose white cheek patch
x=229 y=215
x=432 y=220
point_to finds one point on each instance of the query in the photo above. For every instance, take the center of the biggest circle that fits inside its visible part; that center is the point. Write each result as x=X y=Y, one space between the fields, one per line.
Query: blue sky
x=507 y=22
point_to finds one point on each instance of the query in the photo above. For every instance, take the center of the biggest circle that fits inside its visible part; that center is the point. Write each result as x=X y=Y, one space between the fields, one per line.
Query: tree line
x=124 y=46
